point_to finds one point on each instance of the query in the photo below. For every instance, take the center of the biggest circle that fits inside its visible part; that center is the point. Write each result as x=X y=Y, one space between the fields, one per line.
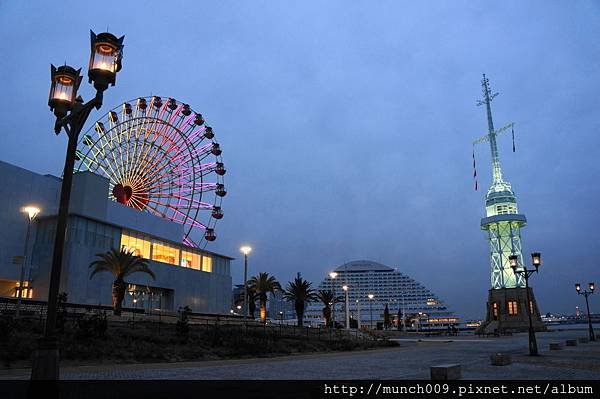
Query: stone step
x=500 y=359
x=445 y=372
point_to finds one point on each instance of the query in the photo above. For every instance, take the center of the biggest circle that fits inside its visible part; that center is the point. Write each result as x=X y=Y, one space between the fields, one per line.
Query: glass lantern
x=65 y=81
x=105 y=59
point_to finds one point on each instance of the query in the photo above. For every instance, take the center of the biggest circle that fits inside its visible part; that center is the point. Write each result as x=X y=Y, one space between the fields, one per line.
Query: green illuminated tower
x=507 y=297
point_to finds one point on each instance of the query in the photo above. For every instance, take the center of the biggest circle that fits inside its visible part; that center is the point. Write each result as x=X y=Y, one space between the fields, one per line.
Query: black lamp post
x=536 y=261
x=371 y=296
x=71 y=114
x=587 y=293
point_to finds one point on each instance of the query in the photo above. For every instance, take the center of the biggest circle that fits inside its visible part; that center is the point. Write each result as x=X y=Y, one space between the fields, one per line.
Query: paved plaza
x=409 y=361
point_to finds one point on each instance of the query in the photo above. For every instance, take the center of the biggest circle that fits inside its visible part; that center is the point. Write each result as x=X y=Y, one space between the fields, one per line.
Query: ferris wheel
x=162 y=158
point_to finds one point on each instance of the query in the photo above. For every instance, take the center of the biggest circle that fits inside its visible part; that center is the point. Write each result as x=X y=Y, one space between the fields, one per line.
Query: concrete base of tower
x=507 y=312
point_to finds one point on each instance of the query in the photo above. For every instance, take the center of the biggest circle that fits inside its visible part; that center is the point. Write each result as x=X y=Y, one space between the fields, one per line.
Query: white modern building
x=372 y=286
x=184 y=275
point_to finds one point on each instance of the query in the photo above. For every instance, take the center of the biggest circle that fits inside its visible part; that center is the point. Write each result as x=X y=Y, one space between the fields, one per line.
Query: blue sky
x=346 y=127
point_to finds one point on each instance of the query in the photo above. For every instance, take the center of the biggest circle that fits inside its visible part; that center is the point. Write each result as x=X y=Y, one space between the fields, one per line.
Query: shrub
x=183 y=324
x=92 y=326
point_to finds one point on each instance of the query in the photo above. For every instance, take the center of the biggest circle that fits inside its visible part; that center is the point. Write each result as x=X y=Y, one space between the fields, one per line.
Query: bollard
x=500 y=359
x=445 y=372
x=555 y=346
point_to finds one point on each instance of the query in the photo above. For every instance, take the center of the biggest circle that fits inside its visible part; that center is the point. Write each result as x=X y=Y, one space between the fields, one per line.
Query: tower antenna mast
x=492 y=133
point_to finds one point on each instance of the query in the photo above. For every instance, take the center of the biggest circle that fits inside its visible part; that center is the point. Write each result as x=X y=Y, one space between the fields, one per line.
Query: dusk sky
x=347 y=126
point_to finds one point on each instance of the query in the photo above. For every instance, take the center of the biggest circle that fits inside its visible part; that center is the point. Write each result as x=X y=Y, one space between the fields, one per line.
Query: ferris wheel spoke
x=177 y=212
x=192 y=203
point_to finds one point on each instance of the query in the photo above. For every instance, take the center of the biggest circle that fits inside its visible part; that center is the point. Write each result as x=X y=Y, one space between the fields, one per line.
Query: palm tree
x=121 y=264
x=326 y=296
x=300 y=292
x=262 y=285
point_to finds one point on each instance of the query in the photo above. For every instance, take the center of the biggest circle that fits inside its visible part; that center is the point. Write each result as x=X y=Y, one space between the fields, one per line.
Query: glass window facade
x=135 y=243
x=173 y=254
x=207 y=264
x=190 y=259
x=165 y=253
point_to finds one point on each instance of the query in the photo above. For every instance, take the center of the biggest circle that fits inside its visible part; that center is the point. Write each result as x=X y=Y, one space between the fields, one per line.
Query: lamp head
x=64 y=83
x=333 y=275
x=105 y=59
x=536 y=259
x=31 y=211
x=513 y=261
x=246 y=249
x=371 y=296
x=591 y=285
x=577 y=287
x=345 y=288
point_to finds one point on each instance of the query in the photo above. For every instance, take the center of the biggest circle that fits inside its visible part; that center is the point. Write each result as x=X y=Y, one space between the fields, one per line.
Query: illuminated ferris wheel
x=162 y=158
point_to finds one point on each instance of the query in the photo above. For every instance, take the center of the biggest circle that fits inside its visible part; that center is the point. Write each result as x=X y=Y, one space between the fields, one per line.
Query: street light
x=357 y=314
x=246 y=250
x=71 y=114
x=536 y=261
x=587 y=293
x=345 y=288
x=31 y=212
x=333 y=275
x=371 y=296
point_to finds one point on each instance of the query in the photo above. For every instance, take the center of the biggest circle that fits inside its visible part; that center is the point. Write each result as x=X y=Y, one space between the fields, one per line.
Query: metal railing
x=162 y=319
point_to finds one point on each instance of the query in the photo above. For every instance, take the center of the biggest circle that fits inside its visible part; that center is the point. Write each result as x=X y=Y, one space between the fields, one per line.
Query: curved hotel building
x=421 y=308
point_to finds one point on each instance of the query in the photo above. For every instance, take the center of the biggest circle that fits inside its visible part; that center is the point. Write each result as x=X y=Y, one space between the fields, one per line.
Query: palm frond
x=120 y=263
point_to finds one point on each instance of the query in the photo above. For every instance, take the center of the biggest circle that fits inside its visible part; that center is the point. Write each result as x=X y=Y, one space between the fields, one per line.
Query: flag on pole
x=513 y=137
x=474 y=169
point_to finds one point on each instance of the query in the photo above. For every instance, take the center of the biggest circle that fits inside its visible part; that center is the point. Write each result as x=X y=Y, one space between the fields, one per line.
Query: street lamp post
x=246 y=250
x=536 y=261
x=333 y=275
x=134 y=309
x=371 y=296
x=71 y=114
x=357 y=314
x=31 y=212
x=587 y=293
x=345 y=288
x=280 y=317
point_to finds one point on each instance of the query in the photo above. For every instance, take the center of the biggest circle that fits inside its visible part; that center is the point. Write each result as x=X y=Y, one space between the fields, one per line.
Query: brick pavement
x=410 y=361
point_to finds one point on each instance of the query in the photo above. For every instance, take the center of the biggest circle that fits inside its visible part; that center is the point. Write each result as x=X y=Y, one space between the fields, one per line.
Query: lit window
x=27 y=290
x=495 y=309
x=137 y=245
x=165 y=253
x=190 y=259
x=206 y=264
x=512 y=308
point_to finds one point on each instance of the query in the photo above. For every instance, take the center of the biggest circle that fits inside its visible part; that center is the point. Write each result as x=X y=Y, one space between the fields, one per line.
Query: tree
x=262 y=285
x=120 y=263
x=300 y=293
x=326 y=296
x=386 y=317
